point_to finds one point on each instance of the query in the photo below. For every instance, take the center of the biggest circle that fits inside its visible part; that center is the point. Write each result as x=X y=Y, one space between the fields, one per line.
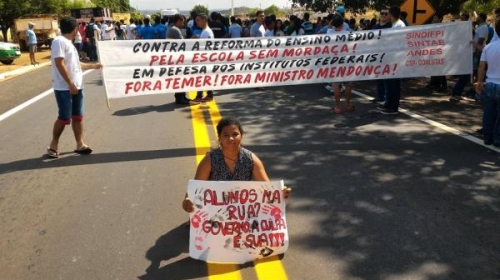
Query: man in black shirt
x=217 y=25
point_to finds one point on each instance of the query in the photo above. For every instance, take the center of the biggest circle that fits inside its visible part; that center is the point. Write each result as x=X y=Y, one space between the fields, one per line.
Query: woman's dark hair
x=67 y=24
x=228 y=121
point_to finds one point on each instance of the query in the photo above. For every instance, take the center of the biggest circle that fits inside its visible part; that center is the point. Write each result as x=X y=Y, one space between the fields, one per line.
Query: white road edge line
x=29 y=102
x=439 y=125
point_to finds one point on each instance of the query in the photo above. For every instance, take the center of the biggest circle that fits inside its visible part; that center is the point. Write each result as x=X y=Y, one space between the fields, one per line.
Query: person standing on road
x=206 y=33
x=491 y=90
x=68 y=87
x=174 y=32
x=32 y=42
x=92 y=34
x=383 y=24
x=234 y=28
x=497 y=18
x=480 y=36
x=338 y=28
x=147 y=32
x=393 y=86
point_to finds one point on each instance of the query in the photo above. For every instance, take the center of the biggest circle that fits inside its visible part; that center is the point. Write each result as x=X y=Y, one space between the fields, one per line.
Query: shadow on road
x=168 y=246
x=72 y=159
x=392 y=198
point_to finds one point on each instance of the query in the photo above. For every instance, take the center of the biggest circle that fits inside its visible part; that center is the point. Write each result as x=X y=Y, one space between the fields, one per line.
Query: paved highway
x=374 y=197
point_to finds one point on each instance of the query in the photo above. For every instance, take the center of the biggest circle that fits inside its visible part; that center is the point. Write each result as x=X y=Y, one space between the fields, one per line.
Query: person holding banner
x=206 y=33
x=68 y=87
x=230 y=161
x=338 y=28
x=491 y=90
x=382 y=24
x=393 y=86
x=174 y=32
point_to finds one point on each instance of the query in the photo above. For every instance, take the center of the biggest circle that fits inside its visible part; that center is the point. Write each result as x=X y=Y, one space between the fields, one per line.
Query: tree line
x=442 y=7
x=13 y=9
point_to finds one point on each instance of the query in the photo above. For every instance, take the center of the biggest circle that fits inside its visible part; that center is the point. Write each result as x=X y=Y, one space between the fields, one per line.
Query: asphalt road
x=374 y=197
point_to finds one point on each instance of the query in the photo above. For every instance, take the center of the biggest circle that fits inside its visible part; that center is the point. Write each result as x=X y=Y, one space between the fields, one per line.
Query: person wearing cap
x=32 y=42
x=68 y=87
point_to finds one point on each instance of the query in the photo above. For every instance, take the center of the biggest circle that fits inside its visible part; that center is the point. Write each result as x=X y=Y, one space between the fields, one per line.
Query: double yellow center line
x=270 y=268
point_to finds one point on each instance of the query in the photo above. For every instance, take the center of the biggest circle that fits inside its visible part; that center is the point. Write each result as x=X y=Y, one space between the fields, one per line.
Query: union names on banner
x=134 y=68
x=237 y=221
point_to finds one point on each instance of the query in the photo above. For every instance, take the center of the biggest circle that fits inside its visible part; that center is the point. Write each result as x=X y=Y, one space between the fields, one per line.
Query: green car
x=9 y=52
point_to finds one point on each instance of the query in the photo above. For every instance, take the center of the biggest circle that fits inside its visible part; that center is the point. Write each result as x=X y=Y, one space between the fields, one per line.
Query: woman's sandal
x=52 y=153
x=337 y=111
x=84 y=150
x=350 y=108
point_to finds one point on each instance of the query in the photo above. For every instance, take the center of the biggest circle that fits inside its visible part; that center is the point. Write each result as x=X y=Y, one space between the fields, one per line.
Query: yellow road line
x=201 y=137
x=202 y=144
x=270 y=268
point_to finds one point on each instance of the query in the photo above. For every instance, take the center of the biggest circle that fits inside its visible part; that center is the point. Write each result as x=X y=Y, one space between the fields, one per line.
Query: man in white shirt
x=68 y=87
x=491 y=89
x=131 y=30
x=105 y=31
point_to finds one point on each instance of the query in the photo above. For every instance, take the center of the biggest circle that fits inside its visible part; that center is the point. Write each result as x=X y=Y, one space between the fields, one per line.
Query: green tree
x=10 y=10
x=113 y=5
x=135 y=15
x=273 y=10
x=441 y=6
x=252 y=12
x=481 y=6
x=200 y=9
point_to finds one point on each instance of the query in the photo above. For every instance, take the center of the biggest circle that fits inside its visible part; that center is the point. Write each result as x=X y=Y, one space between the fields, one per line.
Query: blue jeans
x=491 y=113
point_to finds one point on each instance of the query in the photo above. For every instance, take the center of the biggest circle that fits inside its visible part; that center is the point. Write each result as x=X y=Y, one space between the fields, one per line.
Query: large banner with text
x=237 y=221
x=134 y=68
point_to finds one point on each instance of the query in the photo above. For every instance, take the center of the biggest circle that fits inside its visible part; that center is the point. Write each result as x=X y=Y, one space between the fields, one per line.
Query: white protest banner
x=237 y=221
x=134 y=68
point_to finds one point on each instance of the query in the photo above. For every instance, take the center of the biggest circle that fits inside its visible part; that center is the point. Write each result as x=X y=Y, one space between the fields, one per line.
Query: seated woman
x=230 y=161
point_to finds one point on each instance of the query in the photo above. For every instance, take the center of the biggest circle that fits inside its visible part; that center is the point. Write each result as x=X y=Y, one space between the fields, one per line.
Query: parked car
x=9 y=52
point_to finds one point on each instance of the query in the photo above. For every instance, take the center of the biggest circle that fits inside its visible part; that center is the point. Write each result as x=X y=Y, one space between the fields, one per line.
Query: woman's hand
x=286 y=191
x=187 y=205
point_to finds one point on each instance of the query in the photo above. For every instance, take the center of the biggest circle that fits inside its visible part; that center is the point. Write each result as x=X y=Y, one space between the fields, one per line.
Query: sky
x=211 y=4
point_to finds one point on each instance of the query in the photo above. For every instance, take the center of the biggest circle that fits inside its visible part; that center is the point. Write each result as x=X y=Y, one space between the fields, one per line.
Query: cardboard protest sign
x=140 y=67
x=237 y=221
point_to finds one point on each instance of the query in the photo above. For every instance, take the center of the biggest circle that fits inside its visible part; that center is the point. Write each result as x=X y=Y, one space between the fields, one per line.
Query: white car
x=9 y=52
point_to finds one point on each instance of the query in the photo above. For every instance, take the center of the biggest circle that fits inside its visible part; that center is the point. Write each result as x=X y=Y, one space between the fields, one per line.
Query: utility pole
x=232 y=7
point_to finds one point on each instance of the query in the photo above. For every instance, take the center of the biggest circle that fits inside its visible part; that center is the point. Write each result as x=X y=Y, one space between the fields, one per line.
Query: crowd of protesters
x=217 y=26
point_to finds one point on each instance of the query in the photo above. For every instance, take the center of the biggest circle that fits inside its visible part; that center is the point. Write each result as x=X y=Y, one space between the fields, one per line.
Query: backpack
x=89 y=30
x=118 y=31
